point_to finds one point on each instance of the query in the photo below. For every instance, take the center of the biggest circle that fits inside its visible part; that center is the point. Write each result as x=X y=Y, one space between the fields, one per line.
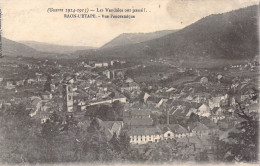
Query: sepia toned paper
x=141 y=82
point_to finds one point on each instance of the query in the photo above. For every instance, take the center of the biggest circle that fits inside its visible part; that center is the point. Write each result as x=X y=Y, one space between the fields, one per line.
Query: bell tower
x=67 y=94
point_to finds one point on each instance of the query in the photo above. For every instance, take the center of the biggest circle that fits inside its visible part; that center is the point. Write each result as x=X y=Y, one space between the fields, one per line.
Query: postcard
x=118 y=82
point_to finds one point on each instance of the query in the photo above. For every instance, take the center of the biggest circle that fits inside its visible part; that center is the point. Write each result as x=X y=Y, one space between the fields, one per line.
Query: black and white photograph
x=120 y=82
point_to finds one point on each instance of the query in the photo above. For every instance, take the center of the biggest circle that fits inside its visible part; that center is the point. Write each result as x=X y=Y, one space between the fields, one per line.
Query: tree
x=96 y=146
x=124 y=141
x=193 y=118
x=19 y=136
x=245 y=147
x=115 y=143
x=164 y=151
x=117 y=108
x=202 y=156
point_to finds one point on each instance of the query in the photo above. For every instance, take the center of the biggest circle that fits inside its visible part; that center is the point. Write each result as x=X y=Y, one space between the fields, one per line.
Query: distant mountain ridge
x=12 y=48
x=232 y=35
x=133 y=38
x=16 y=49
x=54 y=48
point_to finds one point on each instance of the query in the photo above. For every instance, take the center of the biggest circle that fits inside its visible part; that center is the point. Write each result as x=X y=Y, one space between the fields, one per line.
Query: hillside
x=133 y=38
x=12 y=48
x=53 y=48
x=231 y=35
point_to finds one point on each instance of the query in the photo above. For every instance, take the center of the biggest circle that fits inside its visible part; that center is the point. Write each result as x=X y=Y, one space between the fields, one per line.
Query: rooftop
x=144 y=131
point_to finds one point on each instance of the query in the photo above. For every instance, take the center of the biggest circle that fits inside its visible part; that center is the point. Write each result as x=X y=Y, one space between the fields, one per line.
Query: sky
x=29 y=19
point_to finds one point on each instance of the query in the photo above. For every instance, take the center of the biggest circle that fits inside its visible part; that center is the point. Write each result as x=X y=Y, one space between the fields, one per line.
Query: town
x=176 y=83
x=183 y=108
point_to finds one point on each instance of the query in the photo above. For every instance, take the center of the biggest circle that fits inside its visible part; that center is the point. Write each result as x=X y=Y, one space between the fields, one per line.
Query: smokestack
x=167 y=117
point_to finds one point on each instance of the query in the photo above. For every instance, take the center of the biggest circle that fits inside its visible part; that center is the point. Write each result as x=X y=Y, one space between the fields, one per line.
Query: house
x=201 y=97
x=232 y=101
x=38 y=109
x=53 y=87
x=41 y=78
x=119 y=98
x=6 y=106
x=198 y=129
x=46 y=105
x=136 y=122
x=114 y=126
x=188 y=98
x=38 y=74
x=139 y=113
x=216 y=118
x=10 y=84
x=217 y=113
x=179 y=131
x=204 y=80
x=136 y=118
x=204 y=110
x=167 y=133
x=112 y=63
x=129 y=80
x=170 y=90
x=1 y=103
x=20 y=82
x=87 y=66
x=253 y=108
x=180 y=111
x=219 y=77
x=108 y=74
x=161 y=102
x=170 y=131
x=81 y=106
x=43 y=116
x=30 y=80
x=69 y=80
x=139 y=117
x=34 y=105
x=122 y=62
x=105 y=64
x=16 y=100
x=100 y=64
x=144 y=135
x=131 y=86
x=146 y=96
x=231 y=111
x=191 y=110
x=214 y=102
